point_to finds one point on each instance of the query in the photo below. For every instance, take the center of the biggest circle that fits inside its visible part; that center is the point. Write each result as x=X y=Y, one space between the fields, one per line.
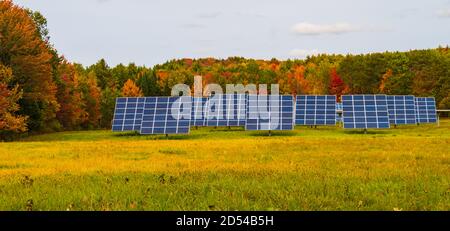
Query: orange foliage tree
x=8 y=105
x=72 y=113
x=300 y=83
x=28 y=55
x=130 y=89
x=92 y=97
x=384 y=80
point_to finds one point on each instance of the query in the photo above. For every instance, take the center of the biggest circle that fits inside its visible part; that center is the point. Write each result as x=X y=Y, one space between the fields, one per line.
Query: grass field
x=327 y=168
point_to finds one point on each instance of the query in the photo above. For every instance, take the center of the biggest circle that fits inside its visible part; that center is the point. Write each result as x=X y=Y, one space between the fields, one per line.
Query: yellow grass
x=328 y=164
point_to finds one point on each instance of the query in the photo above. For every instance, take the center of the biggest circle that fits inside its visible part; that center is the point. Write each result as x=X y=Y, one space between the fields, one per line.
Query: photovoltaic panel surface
x=227 y=110
x=270 y=113
x=426 y=110
x=198 y=117
x=401 y=109
x=365 y=111
x=128 y=114
x=315 y=110
x=167 y=115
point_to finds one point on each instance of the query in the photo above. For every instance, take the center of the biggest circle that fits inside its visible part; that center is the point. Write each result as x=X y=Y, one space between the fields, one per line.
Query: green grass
x=328 y=168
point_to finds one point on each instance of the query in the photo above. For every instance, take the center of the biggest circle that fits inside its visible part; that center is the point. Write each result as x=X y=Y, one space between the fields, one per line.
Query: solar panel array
x=128 y=114
x=166 y=115
x=426 y=110
x=226 y=110
x=315 y=110
x=175 y=115
x=401 y=109
x=270 y=113
x=365 y=111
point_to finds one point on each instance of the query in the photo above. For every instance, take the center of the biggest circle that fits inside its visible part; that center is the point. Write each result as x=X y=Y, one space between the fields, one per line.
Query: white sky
x=152 y=32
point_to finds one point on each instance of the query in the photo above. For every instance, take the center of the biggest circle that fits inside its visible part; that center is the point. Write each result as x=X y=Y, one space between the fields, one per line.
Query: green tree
x=107 y=105
x=103 y=74
x=148 y=83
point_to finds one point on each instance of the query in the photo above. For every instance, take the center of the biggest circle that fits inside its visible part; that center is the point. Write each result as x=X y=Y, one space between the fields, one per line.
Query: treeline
x=41 y=91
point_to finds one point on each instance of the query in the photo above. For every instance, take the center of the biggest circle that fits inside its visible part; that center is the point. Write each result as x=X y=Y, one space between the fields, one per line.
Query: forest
x=41 y=91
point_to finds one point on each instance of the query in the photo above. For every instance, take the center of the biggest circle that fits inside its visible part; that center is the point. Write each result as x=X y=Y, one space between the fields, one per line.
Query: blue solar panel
x=315 y=110
x=198 y=117
x=426 y=110
x=128 y=114
x=339 y=107
x=401 y=109
x=226 y=110
x=270 y=113
x=365 y=111
x=167 y=115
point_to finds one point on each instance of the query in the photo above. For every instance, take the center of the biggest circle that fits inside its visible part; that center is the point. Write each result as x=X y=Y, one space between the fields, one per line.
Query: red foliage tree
x=337 y=85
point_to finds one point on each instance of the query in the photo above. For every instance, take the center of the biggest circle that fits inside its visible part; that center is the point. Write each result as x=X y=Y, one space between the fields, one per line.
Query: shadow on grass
x=272 y=134
x=317 y=128
x=368 y=132
x=160 y=137
x=226 y=129
x=127 y=134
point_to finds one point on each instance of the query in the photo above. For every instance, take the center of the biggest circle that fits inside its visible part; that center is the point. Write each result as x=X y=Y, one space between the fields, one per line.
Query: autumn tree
x=72 y=113
x=131 y=90
x=302 y=85
x=9 y=122
x=27 y=54
x=337 y=86
x=91 y=94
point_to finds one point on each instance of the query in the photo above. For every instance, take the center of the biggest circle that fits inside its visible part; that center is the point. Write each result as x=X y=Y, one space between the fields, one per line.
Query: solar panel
x=167 y=115
x=226 y=110
x=426 y=110
x=401 y=109
x=198 y=114
x=128 y=114
x=365 y=111
x=270 y=113
x=315 y=110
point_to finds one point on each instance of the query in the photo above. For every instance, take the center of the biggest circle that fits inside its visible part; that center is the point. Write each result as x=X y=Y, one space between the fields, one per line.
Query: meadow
x=328 y=168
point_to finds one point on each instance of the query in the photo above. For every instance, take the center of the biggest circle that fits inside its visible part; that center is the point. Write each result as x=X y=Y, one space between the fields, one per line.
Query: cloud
x=445 y=13
x=305 y=28
x=301 y=53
